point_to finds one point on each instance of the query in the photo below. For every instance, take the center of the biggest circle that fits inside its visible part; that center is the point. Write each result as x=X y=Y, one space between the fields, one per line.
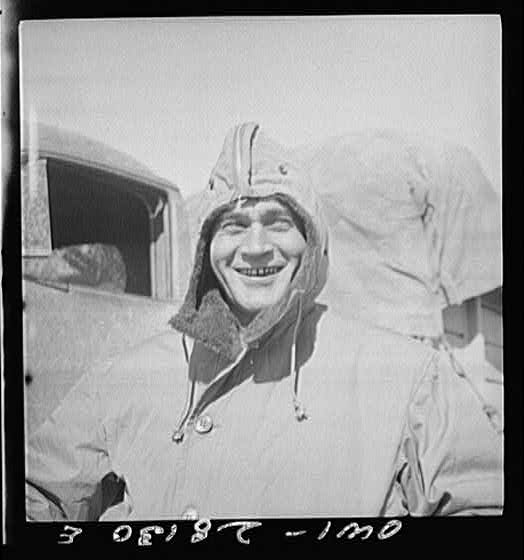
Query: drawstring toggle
x=300 y=411
x=178 y=436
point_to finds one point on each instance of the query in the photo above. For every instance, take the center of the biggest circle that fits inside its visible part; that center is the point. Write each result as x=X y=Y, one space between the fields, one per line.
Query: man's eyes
x=280 y=224
x=233 y=227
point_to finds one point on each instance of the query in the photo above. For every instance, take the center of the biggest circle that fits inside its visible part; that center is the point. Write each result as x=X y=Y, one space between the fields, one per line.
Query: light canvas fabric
x=414 y=222
x=416 y=226
x=306 y=412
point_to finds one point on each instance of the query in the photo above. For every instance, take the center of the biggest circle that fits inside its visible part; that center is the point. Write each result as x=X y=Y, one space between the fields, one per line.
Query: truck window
x=112 y=218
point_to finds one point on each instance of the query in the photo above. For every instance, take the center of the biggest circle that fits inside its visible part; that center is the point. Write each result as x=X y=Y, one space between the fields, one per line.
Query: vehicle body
x=84 y=203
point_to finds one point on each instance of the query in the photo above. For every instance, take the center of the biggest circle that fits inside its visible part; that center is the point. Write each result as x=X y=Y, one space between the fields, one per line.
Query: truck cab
x=105 y=251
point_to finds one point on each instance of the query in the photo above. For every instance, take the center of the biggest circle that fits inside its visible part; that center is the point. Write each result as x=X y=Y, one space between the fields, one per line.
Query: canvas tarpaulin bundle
x=414 y=226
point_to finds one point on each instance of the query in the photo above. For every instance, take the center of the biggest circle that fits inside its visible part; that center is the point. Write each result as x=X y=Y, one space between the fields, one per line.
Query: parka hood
x=251 y=165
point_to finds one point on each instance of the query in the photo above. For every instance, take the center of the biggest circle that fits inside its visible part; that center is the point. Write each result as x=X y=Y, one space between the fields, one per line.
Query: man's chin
x=248 y=298
x=254 y=308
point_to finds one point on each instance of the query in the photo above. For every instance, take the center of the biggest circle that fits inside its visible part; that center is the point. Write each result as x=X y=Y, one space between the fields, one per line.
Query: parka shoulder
x=152 y=368
x=379 y=352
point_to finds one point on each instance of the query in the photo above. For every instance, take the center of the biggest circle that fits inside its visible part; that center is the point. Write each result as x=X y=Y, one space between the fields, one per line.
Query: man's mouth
x=260 y=271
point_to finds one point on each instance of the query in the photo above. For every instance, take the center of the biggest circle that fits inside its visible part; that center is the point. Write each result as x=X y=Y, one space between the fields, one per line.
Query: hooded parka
x=304 y=412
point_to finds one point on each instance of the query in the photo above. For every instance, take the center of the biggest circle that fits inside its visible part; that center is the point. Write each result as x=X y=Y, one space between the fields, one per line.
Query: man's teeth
x=263 y=271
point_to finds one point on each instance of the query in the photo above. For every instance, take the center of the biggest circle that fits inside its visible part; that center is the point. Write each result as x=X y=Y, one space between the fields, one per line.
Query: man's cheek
x=293 y=249
x=221 y=255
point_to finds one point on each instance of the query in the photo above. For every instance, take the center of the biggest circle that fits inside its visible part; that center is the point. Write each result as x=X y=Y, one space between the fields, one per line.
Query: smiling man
x=286 y=406
x=255 y=252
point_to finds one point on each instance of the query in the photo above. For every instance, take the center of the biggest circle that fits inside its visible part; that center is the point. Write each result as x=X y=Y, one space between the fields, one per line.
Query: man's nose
x=256 y=246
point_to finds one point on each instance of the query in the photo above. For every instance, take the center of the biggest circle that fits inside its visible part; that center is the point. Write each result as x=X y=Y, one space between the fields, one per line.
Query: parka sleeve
x=452 y=453
x=67 y=458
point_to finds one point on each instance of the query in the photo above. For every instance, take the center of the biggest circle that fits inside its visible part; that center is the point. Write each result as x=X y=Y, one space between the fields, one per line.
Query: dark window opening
x=88 y=206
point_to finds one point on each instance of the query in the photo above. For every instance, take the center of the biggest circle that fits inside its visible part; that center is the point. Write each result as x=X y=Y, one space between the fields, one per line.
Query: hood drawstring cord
x=300 y=411
x=178 y=434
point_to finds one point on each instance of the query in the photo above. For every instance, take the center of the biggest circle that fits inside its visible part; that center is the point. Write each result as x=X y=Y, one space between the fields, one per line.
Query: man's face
x=255 y=251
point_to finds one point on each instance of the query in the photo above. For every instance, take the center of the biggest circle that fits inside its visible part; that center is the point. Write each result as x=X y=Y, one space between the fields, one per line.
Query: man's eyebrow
x=273 y=214
x=231 y=215
x=266 y=215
